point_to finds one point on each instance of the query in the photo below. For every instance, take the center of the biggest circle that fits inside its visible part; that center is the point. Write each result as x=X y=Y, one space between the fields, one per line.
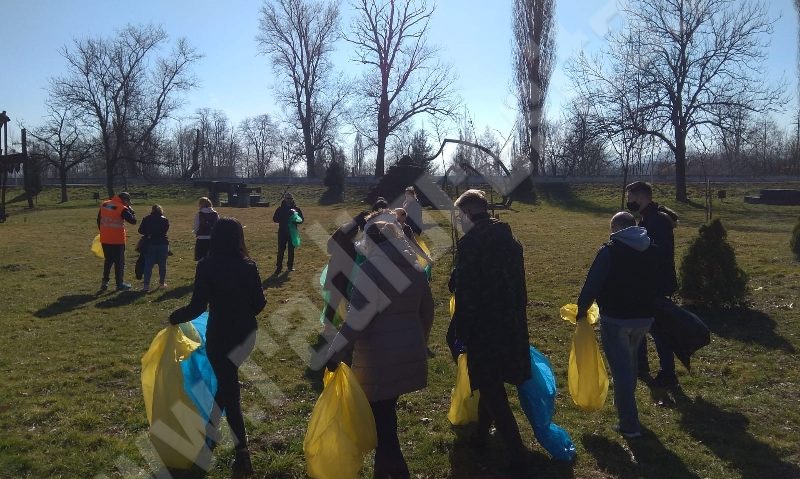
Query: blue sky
x=473 y=35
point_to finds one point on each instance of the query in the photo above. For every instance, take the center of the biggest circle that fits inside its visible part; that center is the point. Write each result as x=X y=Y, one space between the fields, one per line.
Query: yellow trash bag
x=97 y=248
x=463 y=401
x=424 y=247
x=177 y=430
x=587 y=377
x=341 y=430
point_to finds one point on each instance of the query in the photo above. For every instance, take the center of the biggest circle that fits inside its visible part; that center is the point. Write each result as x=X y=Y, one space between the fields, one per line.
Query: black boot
x=242 y=466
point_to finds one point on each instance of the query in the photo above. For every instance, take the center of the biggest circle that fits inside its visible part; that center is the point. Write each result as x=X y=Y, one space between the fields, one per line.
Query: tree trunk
x=680 y=166
x=109 y=178
x=381 y=154
x=27 y=173
x=383 y=128
x=311 y=170
x=62 y=177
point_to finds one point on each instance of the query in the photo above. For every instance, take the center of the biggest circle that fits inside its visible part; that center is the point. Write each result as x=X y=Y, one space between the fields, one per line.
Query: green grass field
x=71 y=403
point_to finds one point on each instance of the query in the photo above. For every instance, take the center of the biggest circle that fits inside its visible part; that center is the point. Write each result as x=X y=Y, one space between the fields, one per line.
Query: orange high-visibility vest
x=112 y=226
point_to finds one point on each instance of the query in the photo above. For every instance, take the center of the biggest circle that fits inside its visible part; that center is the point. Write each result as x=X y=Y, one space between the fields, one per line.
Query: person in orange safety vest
x=111 y=222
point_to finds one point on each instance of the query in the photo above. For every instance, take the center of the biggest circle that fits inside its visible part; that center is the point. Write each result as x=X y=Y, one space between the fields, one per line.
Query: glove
x=451 y=283
x=333 y=365
x=335 y=361
x=459 y=347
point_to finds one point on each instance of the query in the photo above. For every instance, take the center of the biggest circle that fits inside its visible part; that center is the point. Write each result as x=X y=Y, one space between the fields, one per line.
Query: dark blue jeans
x=620 y=344
x=156 y=255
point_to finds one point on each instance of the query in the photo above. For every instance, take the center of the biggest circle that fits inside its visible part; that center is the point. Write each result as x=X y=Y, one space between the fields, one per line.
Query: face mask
x=633 y=206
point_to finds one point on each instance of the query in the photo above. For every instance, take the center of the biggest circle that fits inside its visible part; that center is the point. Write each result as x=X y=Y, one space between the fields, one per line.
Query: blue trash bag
x=199 y=380
x=537 y=396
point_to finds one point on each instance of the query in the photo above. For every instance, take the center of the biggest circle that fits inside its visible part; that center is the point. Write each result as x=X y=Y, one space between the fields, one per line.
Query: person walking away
x=204 y=222
x=111 y=219
x=281 y=216
x=413 y=210
x=659 y=222
x=622 y=279
x=389 y=319
x=154 y=228
x=228 y=282
x=490 y=322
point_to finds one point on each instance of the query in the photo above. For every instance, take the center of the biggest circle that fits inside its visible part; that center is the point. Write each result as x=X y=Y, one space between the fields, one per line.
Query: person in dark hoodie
x=622 y=279
x=659 y=222
x=281 y=216
x=490 y=320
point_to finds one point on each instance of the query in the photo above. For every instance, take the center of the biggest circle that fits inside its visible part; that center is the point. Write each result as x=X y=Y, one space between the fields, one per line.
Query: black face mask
x=633 y=206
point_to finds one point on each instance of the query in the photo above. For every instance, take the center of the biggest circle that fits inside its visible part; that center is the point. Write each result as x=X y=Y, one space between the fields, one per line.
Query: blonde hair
x=204 y=202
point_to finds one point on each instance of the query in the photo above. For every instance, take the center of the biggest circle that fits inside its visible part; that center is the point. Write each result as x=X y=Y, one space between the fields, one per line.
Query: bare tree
x=123 y=89
x=299 y=36
x=691 y=57
x=220 y=144
x=404 y=77
x=261 y=143
x=533 y=54
x=63 y=145
x=359 y=151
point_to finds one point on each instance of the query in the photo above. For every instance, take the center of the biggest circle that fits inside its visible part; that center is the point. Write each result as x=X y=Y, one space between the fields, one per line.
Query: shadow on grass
x=563 y=196
x=175 y=293
x=646 y=457
x=65 y=304
x=725 y=434
x=274 y=281
x=745 y=325
x=468 y=461
x=123 y=298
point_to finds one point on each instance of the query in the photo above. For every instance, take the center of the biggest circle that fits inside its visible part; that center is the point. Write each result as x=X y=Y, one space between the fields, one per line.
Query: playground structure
x=457 y=177
x=495 y=174
x=9 y=163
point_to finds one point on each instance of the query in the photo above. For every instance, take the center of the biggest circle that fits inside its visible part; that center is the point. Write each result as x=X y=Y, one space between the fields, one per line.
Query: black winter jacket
x=282 y=215
x=154 y=228
x=231 y=288
x=659 y=226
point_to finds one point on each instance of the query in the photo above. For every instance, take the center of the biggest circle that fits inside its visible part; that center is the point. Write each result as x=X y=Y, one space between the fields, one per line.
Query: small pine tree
x=709 y=273
x=334 y=180
x=794 y=243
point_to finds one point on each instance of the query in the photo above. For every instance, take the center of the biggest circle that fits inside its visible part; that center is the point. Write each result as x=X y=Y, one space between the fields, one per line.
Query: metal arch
x=470 y=169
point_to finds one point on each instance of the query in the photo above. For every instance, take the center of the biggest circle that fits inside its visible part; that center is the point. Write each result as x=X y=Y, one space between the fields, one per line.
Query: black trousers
x=493 y=407
x=389 y=460
x=225 y=362
x=115 y=255
x=284 y=242
x=201 y=248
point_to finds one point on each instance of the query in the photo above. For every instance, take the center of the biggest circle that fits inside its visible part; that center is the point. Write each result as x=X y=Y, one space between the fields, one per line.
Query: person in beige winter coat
x=387 y=328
